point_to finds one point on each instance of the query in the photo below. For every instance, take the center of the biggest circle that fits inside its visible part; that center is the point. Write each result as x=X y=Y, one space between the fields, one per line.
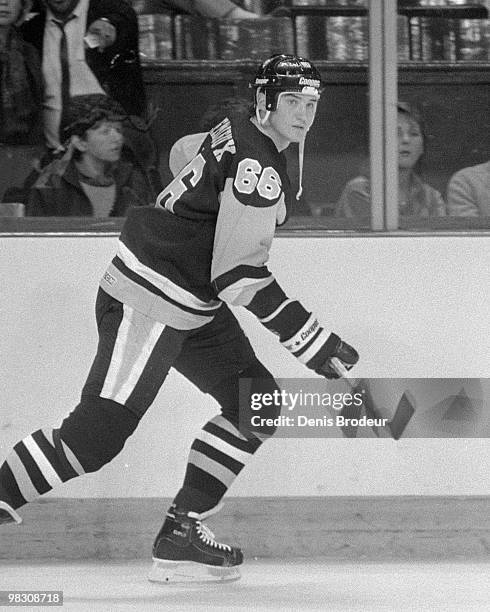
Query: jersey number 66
x=251 y=177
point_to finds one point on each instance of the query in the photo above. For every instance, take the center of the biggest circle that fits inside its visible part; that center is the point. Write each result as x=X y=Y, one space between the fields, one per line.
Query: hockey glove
x=300 y=332
x=342 y=351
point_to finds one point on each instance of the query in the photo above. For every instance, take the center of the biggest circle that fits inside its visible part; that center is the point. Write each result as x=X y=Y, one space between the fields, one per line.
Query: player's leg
x=133 y=358
x=88 y=438
x=225 y=445
x=215 y=359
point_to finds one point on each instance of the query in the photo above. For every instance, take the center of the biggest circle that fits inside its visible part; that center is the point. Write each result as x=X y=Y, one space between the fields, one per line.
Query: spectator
x=20 y=78
x=90 y=179
x=186 y=147
x=415 y=198
x=87 y=46
x=468 y=193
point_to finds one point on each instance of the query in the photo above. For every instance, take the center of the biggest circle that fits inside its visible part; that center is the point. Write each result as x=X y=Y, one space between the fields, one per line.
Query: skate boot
x=8 y=514
x=186 y=551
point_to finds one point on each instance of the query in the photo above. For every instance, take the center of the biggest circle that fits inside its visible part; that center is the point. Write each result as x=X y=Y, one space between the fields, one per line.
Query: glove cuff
x=326 y=352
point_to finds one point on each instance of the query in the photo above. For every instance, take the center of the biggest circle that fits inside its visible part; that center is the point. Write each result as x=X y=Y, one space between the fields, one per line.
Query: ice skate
x=185 y=551
x=8 y=514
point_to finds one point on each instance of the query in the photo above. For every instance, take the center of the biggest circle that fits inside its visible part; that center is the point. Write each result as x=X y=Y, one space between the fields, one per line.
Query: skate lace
x=207 y=536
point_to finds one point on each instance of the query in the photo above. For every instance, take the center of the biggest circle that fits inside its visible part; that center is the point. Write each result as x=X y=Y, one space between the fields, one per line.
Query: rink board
x=336 y=528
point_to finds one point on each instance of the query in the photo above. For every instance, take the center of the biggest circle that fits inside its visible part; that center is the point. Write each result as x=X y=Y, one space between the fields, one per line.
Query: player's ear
x=261 y=100
x=79 y=143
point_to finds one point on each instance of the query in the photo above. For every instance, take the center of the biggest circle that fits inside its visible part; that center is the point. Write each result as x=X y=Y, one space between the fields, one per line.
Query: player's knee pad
x=234 y=394
x=96 y=431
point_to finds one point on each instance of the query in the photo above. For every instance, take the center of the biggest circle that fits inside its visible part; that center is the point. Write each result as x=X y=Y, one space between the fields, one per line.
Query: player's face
x=293 y=116
x=9 y=11
x=410 y=141
x=103 y=142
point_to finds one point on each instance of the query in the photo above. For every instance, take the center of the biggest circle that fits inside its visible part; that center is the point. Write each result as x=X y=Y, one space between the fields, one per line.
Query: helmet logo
x=309 y=82
x=311 y=91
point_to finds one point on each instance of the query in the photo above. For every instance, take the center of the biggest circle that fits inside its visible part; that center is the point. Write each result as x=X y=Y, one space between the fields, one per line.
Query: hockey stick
x=403 y=413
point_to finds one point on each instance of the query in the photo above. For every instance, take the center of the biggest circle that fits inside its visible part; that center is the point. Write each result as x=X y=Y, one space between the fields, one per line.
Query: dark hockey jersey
x=207 y=241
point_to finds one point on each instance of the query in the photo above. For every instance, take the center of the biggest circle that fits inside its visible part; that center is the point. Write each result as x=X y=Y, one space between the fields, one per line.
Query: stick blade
x=372 y=412
x=402 y=416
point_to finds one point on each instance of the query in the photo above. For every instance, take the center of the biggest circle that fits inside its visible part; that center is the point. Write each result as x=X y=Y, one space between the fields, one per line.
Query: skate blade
x=8 y=514
x=189 y=572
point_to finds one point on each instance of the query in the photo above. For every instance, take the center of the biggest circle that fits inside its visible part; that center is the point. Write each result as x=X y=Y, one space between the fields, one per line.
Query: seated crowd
x=71 y=85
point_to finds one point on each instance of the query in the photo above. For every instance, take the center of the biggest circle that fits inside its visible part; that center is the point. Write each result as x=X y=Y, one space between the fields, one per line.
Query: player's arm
x=122 y=17
x=251 y=203
x=300 y=332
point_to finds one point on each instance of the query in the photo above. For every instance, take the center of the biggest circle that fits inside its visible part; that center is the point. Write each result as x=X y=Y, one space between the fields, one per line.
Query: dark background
x=454 y=101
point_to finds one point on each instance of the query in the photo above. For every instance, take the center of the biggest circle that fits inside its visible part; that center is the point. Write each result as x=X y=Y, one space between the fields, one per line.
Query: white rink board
x=413 y=306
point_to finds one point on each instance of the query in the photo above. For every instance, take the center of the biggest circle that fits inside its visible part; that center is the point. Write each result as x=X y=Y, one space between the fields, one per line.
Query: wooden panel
x=336 y=528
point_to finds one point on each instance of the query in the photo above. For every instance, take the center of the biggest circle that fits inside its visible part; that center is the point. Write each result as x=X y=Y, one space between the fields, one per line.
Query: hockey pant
x=132 y=361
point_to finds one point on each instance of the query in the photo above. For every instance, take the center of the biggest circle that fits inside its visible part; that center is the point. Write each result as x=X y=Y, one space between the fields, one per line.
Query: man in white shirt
x=100 y=56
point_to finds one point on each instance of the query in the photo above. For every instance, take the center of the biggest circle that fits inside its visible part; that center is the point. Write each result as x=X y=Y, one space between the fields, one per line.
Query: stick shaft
x=341 y=370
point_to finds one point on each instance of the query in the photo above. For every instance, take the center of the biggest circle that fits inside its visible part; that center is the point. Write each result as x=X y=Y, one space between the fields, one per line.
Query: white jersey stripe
x=162 y=282
x=128 y=385
x=22 y=478
x=42 y=462
x=116 y=283
x=219 y=444
x=118 y=353
x=243 y=290
x=314 y=348
x=276 y=311
x=219 y=471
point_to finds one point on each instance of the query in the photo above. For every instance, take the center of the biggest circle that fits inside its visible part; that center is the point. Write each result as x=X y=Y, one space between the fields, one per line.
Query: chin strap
x=301 y=151
x=301 y=154
x=262 y=121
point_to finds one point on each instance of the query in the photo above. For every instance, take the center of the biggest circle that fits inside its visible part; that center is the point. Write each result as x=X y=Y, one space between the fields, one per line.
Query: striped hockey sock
x=36 y=465
x=89 y=437
x=216 y=458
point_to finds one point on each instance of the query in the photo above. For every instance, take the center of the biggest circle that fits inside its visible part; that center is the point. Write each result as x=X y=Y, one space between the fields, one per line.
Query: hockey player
x=163 y=302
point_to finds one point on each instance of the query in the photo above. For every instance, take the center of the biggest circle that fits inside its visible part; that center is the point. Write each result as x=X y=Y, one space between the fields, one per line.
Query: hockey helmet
x=282 y=73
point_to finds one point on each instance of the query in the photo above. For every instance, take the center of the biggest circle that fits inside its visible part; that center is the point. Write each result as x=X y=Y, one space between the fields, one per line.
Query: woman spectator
x=91 y=179
x=20 y=79
x=415 y=197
